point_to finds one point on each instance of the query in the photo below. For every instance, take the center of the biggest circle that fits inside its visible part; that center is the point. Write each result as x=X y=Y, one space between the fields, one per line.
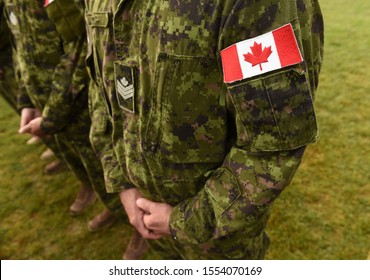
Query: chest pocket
x=187 y=123
x=98 y=19
x=93 y=21
x=97 y=39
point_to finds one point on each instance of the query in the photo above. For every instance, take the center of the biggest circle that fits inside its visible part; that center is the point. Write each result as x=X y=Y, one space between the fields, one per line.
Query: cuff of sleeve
x=189 y=223
x=115 y=181
x=176 y=222
x=127 y=186
x=117 y=188
x=23 y=102
x=48 y=126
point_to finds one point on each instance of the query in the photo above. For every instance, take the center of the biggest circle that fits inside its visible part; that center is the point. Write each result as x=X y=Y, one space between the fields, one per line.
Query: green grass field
x=323 y=214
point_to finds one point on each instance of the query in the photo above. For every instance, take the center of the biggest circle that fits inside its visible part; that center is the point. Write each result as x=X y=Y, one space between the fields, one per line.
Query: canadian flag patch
x=48 y=2
x=270 y=51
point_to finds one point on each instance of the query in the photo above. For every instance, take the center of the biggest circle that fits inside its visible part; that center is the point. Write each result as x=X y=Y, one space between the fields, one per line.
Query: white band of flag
x=270 y=51
x=48 y=2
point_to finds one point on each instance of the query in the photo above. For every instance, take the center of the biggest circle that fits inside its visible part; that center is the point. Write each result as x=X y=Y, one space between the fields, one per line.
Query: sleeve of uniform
x=100 y=139
x=6 y=62
x=114 y=180
x=69 y=82
x=274 y=120
x=70 y=78
x=23 y=100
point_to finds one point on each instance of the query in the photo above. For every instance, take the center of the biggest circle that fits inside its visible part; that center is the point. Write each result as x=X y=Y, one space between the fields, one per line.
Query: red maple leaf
x=257 y=57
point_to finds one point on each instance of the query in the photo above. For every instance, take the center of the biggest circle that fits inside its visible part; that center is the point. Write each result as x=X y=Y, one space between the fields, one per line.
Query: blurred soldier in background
x=8 y=84
x=9 y=88
x=53 y=99
x=205 y=108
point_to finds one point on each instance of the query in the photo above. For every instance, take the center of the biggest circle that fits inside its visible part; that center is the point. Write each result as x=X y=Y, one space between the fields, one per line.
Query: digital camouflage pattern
x=8 y=83
x=219 y=153
x=53 y=77
x=55 y=81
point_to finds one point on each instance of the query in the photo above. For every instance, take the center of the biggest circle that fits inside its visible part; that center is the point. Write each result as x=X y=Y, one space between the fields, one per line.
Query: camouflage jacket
x=52 y=67
x=8 y=84
x=220 y=153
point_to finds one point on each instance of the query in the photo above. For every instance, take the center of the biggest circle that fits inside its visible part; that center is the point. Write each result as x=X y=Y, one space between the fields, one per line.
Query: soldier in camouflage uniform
x=198 y=161
x=8 y=84
x=55 y=83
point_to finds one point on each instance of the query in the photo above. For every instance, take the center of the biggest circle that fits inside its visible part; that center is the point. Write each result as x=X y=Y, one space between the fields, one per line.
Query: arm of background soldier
x=70 y=77
x=238 y=195
x=23 y=100
x=69 y=80
x=25 y=106
x=8 y=84
x=14 y=87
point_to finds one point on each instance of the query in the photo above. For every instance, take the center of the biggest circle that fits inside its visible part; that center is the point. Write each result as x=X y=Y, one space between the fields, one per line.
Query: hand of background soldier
x=27 y=115
x=33 y=127
x=156 y=216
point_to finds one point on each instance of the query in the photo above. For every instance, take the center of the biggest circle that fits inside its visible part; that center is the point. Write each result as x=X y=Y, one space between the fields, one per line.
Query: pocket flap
x=98 y=19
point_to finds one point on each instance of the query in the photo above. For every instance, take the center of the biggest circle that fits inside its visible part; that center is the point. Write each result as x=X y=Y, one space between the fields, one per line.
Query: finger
x=144 y=204
x=23 y=122
x=25 y=129
x=152 y=235
x=142 y=229
x=151 y=224
x=26 y=116
x=136 y=219
x=147 y=221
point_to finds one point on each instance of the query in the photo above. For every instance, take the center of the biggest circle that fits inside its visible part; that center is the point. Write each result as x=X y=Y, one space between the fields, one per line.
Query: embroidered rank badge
x=125 y=86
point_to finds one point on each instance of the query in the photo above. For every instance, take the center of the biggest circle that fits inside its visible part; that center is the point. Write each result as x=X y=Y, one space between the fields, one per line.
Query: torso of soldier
x=38 y=46
x=8 y=84
x=158 y=68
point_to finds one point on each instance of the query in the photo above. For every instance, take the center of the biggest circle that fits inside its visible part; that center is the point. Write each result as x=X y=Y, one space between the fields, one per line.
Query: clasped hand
x=150 y=218
x=31 y=122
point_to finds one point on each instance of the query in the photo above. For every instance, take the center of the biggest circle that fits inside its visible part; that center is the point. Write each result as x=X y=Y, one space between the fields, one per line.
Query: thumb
x=144 y=204
x=25 y=129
